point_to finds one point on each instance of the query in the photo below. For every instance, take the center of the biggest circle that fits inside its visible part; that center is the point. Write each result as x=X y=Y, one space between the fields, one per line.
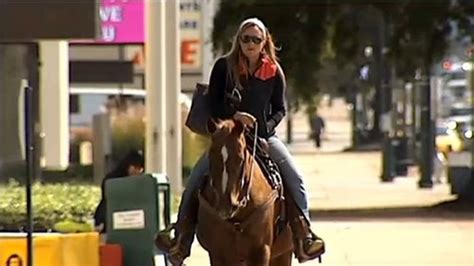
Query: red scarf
x=267 y=69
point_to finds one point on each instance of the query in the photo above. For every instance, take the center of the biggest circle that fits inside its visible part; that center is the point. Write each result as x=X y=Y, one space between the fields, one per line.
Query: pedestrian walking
x=317 y=128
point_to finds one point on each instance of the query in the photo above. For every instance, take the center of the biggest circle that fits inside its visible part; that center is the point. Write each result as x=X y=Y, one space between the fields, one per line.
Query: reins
x=247 y=186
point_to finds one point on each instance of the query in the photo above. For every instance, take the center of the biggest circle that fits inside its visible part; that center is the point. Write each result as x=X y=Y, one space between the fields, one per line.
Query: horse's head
x=228 y=157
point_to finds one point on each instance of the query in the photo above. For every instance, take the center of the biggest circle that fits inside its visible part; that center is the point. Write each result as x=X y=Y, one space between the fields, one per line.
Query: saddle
x=266 y=164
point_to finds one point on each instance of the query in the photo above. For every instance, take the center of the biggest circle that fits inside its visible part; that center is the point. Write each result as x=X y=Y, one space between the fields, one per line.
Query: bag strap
x=233 y=96
x=229 y=78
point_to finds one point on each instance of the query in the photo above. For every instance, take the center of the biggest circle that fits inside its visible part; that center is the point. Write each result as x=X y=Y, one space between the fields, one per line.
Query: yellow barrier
x=51 y=249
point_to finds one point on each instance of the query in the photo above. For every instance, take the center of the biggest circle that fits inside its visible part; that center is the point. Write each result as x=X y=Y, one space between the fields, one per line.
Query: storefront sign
x=122 y=21
x=191 y=27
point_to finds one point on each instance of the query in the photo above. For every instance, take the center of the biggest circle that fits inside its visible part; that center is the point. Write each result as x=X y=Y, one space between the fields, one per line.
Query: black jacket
x=264 y=99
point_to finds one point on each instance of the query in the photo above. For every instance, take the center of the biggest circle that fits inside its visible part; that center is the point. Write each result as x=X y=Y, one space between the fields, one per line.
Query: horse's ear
x=211 y=125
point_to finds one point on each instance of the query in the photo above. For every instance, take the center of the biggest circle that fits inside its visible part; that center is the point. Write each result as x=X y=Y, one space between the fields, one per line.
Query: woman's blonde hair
x=236 y=61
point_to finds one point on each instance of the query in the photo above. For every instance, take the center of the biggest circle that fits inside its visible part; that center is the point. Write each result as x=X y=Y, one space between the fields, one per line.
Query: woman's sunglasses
x=248 y=38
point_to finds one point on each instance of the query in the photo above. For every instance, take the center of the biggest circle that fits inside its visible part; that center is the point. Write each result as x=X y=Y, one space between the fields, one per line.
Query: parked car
x=448 y=139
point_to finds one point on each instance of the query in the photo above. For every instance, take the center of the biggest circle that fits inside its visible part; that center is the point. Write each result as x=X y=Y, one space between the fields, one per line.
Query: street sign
x=26 y=20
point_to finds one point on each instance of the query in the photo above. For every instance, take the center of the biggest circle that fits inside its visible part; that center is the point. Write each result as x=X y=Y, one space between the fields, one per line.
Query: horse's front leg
x=261 y=256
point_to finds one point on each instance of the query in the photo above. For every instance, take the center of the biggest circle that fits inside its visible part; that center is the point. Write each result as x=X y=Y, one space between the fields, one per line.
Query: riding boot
x=179 y=247
x=308 y=246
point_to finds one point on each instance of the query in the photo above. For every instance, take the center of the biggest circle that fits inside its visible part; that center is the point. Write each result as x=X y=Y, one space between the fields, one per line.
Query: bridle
x=240 y=226
x=246 y=186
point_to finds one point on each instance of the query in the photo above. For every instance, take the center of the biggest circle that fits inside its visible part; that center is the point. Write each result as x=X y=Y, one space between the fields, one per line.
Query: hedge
x=56 y=207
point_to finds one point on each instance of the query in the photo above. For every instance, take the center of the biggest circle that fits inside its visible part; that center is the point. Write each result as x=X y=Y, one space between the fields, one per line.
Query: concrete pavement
x=391 y=242
x=364 y=221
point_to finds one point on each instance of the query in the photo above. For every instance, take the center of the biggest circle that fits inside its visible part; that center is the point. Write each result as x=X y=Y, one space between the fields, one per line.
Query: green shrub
x=52 y=204
x=129 y=133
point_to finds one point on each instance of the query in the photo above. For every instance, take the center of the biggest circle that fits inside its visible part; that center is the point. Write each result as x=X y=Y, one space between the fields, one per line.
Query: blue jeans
x=279 y=154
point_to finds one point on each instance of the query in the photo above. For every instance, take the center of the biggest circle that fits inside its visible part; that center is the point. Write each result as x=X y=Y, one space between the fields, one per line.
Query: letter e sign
x=189 y=51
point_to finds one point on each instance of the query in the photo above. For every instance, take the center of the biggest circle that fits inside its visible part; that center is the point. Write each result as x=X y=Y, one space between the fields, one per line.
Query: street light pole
x=427 y=134
x=384 y=89
x=386 y=126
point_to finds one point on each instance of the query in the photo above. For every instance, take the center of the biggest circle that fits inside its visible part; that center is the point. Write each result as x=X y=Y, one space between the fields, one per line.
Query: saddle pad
x=267 y=165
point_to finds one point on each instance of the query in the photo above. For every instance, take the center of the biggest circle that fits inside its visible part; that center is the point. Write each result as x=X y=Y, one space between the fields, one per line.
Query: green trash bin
x=137 y=208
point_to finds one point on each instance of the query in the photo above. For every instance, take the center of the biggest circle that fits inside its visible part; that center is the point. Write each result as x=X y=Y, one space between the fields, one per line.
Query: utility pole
x=384 y=89
x=54 y=103
x=471 y=71
x=386 y=125
x=373 y=26
x=173 y=90
x=355 y=131
x=155 y=84
x=427 y=133
x=289 y=127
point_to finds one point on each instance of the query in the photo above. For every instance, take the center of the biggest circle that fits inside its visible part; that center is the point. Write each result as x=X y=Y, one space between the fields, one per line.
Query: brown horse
x=238 y=209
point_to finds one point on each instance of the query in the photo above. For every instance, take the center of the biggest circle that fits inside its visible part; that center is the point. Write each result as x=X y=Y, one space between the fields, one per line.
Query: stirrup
x=176 y=258
x=304 y=255
x=177 y=249
x=181 y=249
x=172 y=247
x=163 y=239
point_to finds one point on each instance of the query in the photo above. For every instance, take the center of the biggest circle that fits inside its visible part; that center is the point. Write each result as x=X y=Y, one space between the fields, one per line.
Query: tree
x=417 y=30
x=415 y=34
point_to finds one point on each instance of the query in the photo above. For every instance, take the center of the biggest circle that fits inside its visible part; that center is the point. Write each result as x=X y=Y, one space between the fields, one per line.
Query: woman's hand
x=245 y=118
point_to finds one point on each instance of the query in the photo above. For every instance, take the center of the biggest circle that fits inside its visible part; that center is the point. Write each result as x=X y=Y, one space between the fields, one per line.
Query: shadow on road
x=449 y=210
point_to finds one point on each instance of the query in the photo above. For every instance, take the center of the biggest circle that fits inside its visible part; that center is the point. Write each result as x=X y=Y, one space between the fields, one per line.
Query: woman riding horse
x=240 y=211
x=250 y=69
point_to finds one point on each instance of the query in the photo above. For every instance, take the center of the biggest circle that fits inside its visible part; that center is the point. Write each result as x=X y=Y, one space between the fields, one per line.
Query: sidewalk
x=339 y=180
